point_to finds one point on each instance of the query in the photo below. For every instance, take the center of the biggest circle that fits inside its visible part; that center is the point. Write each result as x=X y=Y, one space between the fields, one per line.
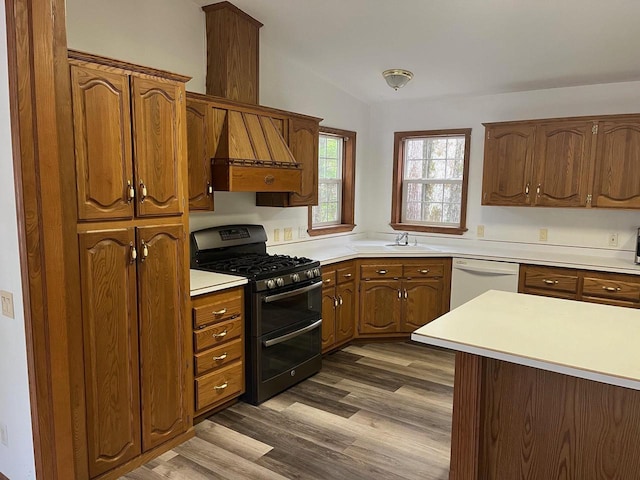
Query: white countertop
x=207 y=282
x=586 y=340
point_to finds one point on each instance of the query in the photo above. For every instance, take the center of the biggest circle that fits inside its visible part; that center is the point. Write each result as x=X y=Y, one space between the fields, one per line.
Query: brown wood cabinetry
x=399 y=296
x=584 y=285
x=338 y=304
x=218 y=345
x=571 y=162
x=130 y=144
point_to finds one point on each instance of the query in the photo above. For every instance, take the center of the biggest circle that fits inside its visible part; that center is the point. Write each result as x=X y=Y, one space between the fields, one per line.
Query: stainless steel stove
x=283 y=305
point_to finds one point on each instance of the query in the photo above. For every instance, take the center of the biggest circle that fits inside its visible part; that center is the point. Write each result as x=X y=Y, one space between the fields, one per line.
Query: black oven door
x=281 y=309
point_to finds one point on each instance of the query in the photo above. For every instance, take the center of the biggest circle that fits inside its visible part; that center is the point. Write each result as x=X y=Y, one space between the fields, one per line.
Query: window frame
x=398 y=181
x=347 y=212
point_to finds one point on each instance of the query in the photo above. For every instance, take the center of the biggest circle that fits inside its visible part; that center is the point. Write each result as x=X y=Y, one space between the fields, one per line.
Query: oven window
x=281 y=310
x=289 y=354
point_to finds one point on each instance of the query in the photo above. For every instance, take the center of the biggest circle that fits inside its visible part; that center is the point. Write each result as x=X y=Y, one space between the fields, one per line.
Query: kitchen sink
x=380 y=247
x=409 y=248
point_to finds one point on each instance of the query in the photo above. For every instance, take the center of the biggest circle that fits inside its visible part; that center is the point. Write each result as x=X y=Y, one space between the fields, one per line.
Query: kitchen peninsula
x=544 y=388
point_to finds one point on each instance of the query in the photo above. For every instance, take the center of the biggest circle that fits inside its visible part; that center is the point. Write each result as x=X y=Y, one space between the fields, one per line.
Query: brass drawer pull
x=220 y=335
x=424 y=272
x=220 y=312
x=327 y=280
x=550 y=282
x=348 y=275
x=221 y=357
x=611 y=289
x=221 y=387
x=381 y=272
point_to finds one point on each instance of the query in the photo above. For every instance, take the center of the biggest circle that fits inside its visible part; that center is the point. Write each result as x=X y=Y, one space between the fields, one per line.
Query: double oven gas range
x=283 y=302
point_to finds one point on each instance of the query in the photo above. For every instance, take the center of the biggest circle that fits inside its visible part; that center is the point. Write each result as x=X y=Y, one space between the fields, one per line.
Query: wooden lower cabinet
x=133 y=293
x=583 y=285
x=399 y=296
x=218 y=346
x=338 y=305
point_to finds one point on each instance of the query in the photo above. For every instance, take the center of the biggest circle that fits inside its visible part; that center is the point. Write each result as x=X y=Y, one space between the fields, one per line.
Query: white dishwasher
x=471 y=277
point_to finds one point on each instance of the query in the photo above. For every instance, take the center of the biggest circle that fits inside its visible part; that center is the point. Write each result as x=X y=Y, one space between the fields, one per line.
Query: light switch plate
x=7 y=304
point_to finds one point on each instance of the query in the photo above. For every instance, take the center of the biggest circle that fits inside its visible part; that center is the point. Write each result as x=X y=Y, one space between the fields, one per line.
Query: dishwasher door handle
x=485 y=270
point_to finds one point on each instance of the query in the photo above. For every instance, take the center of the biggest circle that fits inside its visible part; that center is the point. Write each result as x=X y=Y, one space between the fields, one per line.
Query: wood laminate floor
x=375 y=411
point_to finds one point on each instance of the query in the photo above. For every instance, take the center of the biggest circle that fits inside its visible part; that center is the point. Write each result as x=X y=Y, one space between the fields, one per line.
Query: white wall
x=115 y=29
x=581 y=227
x=16 y=460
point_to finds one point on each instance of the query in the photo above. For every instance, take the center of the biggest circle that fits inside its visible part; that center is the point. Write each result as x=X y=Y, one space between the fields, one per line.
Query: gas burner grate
x=256 y=264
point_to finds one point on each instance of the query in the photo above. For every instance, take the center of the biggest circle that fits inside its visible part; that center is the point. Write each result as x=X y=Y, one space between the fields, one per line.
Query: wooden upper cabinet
x=163 y=352
x=508 y=158
x=617 y=180
x=110 y=330
x=102 y=137
x=561 y=163
x=199 y=159
x=304 y=138
x=158 y=128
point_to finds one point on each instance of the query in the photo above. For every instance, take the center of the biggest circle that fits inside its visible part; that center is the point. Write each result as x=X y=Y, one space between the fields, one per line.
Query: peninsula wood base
x=512 y=421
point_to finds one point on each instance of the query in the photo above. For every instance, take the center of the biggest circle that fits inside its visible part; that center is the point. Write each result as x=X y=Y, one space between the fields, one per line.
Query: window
x=336 y=180
x=430 y=181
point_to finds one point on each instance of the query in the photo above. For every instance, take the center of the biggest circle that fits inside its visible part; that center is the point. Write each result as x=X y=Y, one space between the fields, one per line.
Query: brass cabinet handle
x=526 y=189
x=269 y=179
x=220 y=312
x=611 y=289
x=399 y=293
x=335 y=302
x=381 y=272
x=550 y=282
x=145 y=250
x=220 y=335
x=209 y=189
x=538 y=189
x=406 y=294
x=221 y=387
x=221 y=357
x=131 y=192
x=339 y=299
x=143 y=191
x=424 y=272
x=134 y=253
x=347 y=275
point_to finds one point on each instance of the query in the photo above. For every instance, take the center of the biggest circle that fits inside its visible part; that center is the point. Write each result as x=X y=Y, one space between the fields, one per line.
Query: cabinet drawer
x=328 y=278
x=551 y=279
x=433 y=270
x=613 y=289
x=218 y=356
x=219 y=385
x=346 y=274
x=380 y=271
x=223 y=306
x=217 y=333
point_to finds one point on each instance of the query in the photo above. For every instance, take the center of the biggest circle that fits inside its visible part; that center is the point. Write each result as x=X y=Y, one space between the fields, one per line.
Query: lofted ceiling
x=454 y=47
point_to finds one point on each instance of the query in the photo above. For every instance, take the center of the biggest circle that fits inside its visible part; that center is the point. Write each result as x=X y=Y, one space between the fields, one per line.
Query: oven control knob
x=271 y=283
x=280 y=281
x=310 y=274
x=295 y=277
x=316 y=272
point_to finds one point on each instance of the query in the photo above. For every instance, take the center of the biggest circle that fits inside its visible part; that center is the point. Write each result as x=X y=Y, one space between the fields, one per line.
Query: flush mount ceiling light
x=397 y=77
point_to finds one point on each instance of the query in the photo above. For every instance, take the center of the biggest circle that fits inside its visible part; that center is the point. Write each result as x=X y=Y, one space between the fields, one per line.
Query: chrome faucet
x=400 y=236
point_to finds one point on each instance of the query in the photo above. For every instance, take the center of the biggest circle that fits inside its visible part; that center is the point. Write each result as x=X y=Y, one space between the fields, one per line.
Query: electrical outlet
x=276 y=234
x=543 y=235
x=480 y=231
x=288 y=234
x=7 y=304
x=4 y=435
x=613 y=240
x=302 y=232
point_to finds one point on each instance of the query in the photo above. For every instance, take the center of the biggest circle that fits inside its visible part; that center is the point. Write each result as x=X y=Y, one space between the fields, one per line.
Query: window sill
x=428 y=228
x=345 y=227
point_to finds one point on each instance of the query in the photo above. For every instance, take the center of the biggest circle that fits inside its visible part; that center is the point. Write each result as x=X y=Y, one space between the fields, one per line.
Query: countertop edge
x=218 y=287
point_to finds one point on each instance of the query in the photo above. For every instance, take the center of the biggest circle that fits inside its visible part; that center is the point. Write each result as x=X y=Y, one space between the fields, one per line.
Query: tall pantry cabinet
x=131 y=171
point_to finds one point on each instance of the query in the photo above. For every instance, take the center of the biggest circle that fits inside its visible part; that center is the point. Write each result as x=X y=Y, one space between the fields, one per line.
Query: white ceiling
x=454 y=47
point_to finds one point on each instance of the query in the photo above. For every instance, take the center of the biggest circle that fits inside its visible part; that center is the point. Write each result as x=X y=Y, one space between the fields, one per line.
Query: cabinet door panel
x=199 y=162
x=618 y=164
x=422 y=303
x=108 y=286
x=507 y=165
x=102 y=138
x=162 y=333
x=158 y=117
x=380 y=306
x=345 y=318
x=328 y=318
x=562 y=157
x=303 y=142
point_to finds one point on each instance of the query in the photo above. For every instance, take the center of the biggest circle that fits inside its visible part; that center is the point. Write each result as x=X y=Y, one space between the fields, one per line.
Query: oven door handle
x=292 y=293
x=289 y=336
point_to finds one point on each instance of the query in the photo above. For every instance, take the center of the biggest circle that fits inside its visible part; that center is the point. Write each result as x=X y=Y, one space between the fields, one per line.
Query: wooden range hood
x=251 y=154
